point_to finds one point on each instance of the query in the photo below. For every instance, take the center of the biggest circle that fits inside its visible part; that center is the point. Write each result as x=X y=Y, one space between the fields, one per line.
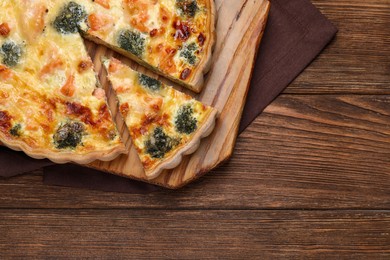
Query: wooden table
x=309 y=178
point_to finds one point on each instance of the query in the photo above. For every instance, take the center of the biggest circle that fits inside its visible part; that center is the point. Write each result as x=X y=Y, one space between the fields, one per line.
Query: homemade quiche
x=50 y=106
x=50 y=102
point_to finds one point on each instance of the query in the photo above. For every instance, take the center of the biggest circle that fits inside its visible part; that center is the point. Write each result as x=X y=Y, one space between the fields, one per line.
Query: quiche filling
x=50 y=105
x=173 y=37
x=49 y=100
x=163 y=123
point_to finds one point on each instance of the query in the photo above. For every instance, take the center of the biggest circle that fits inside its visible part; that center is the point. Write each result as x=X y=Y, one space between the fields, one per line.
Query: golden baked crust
x=197 y=81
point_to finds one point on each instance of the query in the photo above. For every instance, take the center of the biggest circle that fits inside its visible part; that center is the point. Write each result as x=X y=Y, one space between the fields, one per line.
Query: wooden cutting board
x=240 y=27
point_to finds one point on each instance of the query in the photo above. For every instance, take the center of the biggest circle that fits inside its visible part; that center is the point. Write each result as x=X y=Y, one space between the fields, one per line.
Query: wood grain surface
x=310 y=178
x=357 y=61
x=303 y=152
x=225 y=89
x=195 y=234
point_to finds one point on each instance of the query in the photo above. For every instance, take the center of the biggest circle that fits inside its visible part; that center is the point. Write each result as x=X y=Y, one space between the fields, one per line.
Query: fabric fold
x=15 y=163
x=295 y=35
x=70 y=175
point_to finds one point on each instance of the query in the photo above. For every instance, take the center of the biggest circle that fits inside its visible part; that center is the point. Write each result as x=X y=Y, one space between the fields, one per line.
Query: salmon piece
x=32 y=19
x=104 y=3
x=30 y=127
x=51 y=67
x=115 y=65
x=120 y=90
x=5 y=73
x=40 y=13
x=68 y=89
x=99 y=93
x=139 y=25
x=99 y=21
x=167 y=64
x=138 y=13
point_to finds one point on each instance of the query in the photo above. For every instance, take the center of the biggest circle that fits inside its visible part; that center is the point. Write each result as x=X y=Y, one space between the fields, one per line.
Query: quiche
x=50 y=105
x=171 y=37
x=164 y=124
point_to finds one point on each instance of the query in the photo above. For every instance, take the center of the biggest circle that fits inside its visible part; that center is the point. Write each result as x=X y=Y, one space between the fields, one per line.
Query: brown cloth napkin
x=296 y=33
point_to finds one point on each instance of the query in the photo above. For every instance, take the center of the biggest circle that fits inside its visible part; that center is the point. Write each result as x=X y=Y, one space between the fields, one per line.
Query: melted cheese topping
x=167 y=30
x=145 y=109
x=52 y=81
x=52 y=84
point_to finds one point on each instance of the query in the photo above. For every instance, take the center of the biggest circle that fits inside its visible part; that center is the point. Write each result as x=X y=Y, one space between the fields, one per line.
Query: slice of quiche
x=50 y=106
x=164 y=124
x=171 y=37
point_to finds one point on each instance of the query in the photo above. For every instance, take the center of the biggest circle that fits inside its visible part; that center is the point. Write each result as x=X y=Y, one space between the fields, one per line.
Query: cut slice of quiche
x=164 y=124
x=171 y=37
x=50 y=106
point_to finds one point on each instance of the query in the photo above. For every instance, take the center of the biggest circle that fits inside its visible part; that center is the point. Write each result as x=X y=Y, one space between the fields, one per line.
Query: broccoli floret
x=132 y=42
x=68 y=135
x=148 y=82
x=15 y=130
x=11 y=53
x=185 y=121
x=159 y=143
x=187 y=52
x=69 y=19
x=187 y=7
